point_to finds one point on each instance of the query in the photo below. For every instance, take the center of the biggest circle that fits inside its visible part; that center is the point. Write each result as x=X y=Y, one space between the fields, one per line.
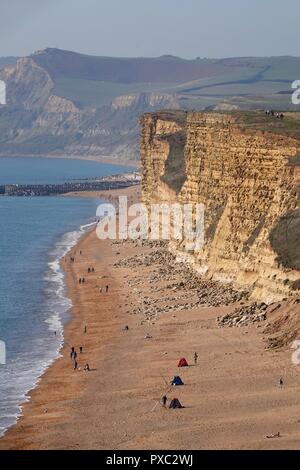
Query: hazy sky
x=187 y=28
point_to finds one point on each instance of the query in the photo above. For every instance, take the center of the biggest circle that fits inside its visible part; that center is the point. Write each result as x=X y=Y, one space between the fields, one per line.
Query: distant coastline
x=109 y=159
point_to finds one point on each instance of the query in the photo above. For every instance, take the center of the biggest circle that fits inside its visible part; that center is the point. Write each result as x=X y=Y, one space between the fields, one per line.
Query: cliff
x=245 y=169
x=37 y=120
x=65 y=103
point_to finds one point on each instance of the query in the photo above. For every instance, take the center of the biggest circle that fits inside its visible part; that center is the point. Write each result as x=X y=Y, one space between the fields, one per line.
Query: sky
x=150 y=28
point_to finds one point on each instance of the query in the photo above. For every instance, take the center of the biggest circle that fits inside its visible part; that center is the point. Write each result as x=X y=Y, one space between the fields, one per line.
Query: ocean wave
x=28 y=375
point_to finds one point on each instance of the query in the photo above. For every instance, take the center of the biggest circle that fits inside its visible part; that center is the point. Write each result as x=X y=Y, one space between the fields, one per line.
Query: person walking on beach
x=75 y=365
x=164 y=401
x=195 y=358
x=85 y=329
x=72 y=352
x=75 y=355
x=106 y=289
x=280 y=382
x=80 y=280
x=83 y=280
x=80 y=349
x=100 y=290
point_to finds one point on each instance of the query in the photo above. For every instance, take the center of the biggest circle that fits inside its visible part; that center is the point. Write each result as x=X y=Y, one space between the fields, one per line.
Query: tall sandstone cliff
x=249 y=183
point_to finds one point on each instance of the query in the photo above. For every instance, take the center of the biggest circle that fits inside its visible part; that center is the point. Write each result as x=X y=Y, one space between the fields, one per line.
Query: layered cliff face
x=36 y=120
x=249 y=183
x=27 y=84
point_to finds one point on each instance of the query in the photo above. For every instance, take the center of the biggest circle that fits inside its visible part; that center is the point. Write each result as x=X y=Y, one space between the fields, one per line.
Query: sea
x=35 y=233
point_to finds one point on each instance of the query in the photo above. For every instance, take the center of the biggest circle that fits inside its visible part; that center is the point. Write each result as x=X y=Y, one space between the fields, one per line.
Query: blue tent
x=177 y=381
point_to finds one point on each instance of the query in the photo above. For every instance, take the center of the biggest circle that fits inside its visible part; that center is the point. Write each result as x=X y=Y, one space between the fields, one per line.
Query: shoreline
x=230 y=396
x=68 y=327
x=81 y=233
x=56 y=269
x=109 y=195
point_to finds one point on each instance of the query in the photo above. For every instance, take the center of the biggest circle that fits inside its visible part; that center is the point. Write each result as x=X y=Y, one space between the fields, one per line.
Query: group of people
x=271 y=113
x=103 y=289
x=73 y=357
x=73 y=352
x=82 y=279
x=164 y=398
x=72 y=258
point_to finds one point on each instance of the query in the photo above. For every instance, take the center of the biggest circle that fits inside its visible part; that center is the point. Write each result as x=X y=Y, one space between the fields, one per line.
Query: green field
x=93 y=93
x=200 y=83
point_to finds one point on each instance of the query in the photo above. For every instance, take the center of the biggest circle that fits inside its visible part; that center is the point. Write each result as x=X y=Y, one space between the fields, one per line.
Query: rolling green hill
x=62 y=102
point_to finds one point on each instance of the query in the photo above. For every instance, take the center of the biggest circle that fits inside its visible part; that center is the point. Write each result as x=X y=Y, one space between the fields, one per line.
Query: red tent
x=182 y=363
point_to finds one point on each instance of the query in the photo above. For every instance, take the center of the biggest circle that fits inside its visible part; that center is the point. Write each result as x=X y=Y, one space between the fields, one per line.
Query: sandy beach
x=231 y=396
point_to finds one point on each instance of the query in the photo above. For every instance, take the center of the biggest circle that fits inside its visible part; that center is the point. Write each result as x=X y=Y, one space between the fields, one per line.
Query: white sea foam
x=28 y=375
x=55 y=275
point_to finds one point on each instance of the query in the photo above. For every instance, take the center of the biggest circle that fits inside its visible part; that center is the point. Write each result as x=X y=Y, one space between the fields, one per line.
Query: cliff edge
x=245 y=169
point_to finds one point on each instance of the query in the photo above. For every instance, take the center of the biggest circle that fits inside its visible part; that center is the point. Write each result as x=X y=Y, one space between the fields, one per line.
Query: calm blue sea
x=52 y=170
x=34 y=234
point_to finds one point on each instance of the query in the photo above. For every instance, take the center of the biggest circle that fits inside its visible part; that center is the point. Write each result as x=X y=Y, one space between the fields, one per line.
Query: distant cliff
x=64 y=103
x=38 y=121
x=248 y=179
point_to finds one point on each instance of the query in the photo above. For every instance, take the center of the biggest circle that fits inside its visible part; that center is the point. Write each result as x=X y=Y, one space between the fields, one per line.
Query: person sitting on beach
x=273 y=436
x=87 y=368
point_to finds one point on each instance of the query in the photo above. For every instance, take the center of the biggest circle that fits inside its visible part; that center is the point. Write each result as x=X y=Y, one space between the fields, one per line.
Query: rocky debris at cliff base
x=244 y=315
x=156 y=257
x=284 y=327
x=186 y=289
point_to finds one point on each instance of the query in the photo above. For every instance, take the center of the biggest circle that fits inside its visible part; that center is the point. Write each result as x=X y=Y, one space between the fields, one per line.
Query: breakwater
x=109 y=183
